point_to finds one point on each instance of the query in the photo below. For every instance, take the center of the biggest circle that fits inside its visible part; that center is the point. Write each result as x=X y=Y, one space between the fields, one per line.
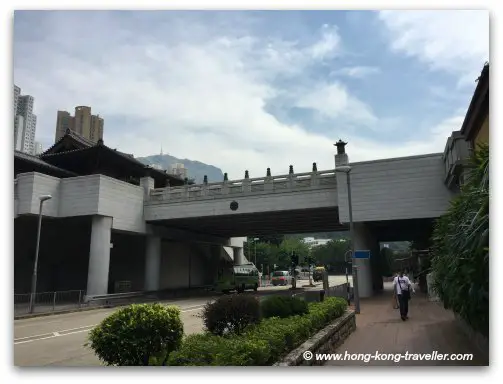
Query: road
x=58 y=340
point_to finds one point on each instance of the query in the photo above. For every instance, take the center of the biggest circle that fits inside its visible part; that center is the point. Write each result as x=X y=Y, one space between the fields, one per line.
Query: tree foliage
x=332 y=254
x=270 y=254
x=461 y=247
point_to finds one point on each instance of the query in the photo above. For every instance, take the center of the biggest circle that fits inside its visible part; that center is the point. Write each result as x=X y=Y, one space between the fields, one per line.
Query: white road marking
x=72 y=331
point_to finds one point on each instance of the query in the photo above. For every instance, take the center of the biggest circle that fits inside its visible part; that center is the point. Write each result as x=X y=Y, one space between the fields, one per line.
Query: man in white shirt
x=402 y=287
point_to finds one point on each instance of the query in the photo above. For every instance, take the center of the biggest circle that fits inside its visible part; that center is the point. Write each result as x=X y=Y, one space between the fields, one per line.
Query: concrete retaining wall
x=325 y=341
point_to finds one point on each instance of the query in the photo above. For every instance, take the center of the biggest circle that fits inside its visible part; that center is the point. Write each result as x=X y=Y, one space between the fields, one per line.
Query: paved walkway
x=430 y=328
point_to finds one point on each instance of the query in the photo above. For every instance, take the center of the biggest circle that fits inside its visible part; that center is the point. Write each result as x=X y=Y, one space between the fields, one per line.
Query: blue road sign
x=362 y=254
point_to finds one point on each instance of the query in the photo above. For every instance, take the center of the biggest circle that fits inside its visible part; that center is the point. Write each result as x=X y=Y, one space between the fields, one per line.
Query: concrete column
x=239 y=256
x=363 y=242
x=99 y=256
x=147 y=183
x=152 y=263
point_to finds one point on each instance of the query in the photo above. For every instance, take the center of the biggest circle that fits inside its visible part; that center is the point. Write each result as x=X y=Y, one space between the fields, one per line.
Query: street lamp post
x=35 y=265
x=347 y=170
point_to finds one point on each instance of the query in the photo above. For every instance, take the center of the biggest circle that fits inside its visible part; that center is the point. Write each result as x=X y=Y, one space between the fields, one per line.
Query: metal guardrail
x=46 y=302
x=113 y=298
x=340 y=290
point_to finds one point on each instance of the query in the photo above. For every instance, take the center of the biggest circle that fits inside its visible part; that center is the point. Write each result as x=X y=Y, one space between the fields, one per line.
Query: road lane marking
x=53 y=336
x=72 y=331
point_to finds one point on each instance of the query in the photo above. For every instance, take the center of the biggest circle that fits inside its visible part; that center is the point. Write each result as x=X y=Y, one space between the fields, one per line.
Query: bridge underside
x=263 y=223
x=419 y=230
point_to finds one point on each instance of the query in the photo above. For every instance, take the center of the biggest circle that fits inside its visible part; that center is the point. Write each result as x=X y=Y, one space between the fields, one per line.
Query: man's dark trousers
x=403 y=301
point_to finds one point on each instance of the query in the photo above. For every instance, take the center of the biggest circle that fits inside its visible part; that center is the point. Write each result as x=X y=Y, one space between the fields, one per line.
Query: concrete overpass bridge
x=384 y=192
x=293 y=203
x=392 y=200
x=103 y=230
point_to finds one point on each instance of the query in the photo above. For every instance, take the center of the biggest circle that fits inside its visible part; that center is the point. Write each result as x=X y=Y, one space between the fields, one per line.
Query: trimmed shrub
x=136 y=334
x=207 y=349
x=283 y=306
x=231 y=314
x=259 y=344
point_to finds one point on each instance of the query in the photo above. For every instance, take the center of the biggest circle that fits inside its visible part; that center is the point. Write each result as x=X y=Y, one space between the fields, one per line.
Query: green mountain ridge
x=195 y=169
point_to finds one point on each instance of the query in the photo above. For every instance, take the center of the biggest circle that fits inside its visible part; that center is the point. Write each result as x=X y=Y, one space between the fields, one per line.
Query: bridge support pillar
x=152 y=263
x=239 y=256
x=99 y=256
x=147 y=183
x=364 y=241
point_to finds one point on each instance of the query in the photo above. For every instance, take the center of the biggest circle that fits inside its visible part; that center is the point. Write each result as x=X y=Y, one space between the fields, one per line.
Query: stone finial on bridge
x=225 y=177
x=290 y=171
x=341 y=147
x=247 y=175
x=268 y=172
x=205 y=179
x=315 y=168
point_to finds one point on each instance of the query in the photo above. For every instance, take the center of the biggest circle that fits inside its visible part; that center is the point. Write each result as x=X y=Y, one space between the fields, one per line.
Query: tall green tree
x=269 y=239
x=461 y=247
x=332 y=254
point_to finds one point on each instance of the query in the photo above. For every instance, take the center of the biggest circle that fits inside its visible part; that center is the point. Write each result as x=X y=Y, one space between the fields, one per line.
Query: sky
x=248 y=90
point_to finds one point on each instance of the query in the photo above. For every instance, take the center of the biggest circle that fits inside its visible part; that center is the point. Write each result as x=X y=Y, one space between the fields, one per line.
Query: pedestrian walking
x=402 y=287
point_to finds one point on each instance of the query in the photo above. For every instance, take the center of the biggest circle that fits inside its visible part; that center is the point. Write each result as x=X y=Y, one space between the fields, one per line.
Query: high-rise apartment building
x=38 y=148
x=17 y=93
x=83 y=123
x=25 y=122
x=178 y=169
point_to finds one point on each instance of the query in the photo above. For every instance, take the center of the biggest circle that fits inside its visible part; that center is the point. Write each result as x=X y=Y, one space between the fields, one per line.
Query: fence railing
x=46 y=302
x=340 y=290
x=268 y=184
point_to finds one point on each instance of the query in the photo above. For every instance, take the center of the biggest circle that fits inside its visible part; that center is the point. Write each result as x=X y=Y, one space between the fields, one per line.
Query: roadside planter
x=325 y=341
x=275 y=341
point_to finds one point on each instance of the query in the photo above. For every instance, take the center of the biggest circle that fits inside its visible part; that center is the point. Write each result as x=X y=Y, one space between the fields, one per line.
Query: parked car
x=281 y=278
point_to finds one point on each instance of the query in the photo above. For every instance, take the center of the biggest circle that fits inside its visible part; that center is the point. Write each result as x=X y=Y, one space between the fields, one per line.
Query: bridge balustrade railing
x=271 y=184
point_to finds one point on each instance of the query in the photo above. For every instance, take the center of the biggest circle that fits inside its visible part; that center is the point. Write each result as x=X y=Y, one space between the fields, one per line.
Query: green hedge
x=231 y=314
x=283 y=306
x=261 y=344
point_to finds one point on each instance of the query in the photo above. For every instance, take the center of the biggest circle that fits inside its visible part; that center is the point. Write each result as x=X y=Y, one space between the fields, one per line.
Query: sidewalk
x=430 y=328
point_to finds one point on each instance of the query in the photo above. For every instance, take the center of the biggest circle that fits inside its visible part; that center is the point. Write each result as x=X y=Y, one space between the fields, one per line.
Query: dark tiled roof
x=479 y=98
x=87 y=145
x=37 y=160
x=75 y=136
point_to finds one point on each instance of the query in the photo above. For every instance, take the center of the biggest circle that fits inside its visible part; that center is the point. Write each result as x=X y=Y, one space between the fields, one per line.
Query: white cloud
x=328 y=45
x=434 y=142
x=357 y=72
x=456 y=41
x=200 y=94
x=334 y=101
